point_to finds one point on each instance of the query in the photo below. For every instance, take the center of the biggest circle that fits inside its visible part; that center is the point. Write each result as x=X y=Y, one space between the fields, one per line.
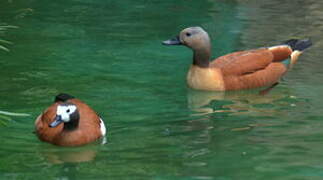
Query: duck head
x=68 y=114
x=192 y=37
x=198 y=40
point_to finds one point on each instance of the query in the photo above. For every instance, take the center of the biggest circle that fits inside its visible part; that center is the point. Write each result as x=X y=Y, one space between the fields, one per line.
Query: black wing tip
x=63 y=97
x=299 y=45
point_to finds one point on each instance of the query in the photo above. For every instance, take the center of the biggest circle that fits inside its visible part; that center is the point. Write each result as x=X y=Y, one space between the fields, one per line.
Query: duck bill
x=173 y=41
x=57 y=121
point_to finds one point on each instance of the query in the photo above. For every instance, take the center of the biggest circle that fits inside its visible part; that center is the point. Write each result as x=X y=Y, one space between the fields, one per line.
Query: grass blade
x=4 y=48
x=13 y=114
x=4 y=41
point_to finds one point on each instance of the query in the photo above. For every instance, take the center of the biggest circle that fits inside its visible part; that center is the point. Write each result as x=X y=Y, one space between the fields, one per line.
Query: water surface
x=109 y=54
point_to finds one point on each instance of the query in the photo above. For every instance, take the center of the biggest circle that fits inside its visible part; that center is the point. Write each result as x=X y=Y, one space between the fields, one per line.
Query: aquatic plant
x=5 y=116
x=4 y=120
x=3 y=29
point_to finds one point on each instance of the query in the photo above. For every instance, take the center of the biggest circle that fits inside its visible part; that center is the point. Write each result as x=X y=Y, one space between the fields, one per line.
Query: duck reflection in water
x=69 y=155
x=251 y=102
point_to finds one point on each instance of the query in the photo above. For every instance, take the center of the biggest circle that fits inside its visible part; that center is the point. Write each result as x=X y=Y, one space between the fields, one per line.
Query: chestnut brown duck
x=69 y=122
x=262 y=67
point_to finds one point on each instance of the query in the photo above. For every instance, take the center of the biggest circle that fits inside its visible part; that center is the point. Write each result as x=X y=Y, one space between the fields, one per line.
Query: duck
x=246 y=69
x=69 y=122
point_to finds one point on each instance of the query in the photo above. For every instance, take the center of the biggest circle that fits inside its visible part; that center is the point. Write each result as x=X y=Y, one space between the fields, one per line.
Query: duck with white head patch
x=69 y=122
x=262 y=67
x=68 y=114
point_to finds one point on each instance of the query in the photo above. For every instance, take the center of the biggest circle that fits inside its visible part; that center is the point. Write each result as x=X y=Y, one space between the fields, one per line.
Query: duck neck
x=201 y=57
x=73 y=123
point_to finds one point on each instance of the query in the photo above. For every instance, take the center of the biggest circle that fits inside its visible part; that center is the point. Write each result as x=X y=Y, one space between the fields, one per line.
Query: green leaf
x=13 y=113
x=4 y=48
x=8 y=26
x=5 y=117
x=4 y=41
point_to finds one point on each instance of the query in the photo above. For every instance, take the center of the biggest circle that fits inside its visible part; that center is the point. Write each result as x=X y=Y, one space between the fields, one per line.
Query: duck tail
x=63 y=97
x=299 y=45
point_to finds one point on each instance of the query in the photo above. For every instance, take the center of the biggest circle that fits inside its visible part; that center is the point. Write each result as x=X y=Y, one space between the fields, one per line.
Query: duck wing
x=260 y=78
x=253 y=68
x=243 y=62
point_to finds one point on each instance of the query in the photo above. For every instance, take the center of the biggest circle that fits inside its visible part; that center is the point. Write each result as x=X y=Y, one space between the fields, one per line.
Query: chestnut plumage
x=248 y=69
x=69 y=122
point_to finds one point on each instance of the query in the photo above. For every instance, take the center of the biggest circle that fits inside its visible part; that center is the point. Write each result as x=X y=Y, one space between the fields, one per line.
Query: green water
x=109 y=54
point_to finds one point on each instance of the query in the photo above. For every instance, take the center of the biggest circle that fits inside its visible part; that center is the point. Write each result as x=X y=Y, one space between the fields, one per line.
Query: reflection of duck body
x=69 y=155
x=235 y=102
x=69 y=122
x=239 y=70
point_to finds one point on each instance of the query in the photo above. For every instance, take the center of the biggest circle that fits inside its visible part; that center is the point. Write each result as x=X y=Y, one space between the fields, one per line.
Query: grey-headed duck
x=238 y=70
x=69 y=122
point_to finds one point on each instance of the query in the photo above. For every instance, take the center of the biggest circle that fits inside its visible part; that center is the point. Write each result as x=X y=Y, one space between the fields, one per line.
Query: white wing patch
x=103 y=132
x=102 y=127
x=277 y=47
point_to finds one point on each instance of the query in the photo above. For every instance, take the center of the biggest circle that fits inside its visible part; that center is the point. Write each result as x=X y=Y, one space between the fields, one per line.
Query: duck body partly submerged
x=248 y=69
x=69 y=122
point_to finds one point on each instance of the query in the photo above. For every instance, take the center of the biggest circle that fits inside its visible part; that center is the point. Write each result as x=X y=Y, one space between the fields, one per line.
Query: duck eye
x=68 y=110
x=188 y=34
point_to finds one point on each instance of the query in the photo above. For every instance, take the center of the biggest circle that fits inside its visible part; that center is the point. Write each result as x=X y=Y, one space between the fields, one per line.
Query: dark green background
x=109 y=54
